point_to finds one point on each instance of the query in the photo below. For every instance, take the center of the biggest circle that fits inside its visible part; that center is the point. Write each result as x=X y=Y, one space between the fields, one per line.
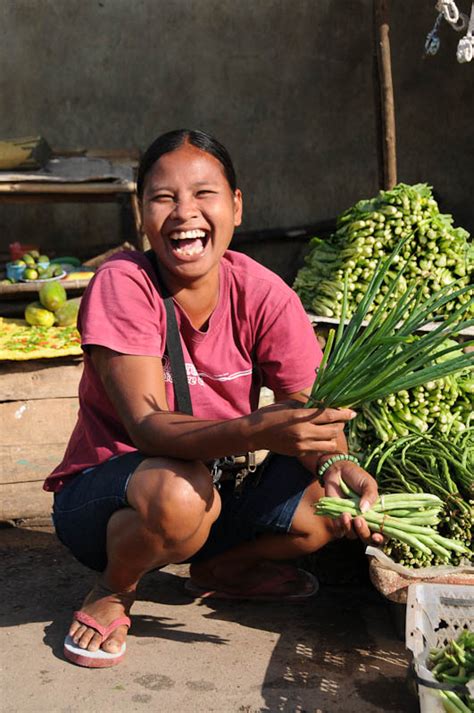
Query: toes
x=94 y=641
x=76 y=631
x=85 y=636
x=115 y=641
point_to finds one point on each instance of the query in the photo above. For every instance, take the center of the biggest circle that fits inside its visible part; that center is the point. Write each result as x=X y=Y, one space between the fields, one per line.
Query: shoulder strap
x=173 y=345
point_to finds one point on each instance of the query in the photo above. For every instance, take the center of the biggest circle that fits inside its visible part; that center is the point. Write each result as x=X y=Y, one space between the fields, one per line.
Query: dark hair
x=174 y=139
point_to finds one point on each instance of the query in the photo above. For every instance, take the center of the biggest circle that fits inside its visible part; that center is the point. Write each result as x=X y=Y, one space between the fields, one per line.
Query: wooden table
x=30 y=191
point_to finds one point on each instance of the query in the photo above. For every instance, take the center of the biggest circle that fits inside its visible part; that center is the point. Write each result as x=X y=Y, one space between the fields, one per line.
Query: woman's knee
x=315 y=531
x=172 y=497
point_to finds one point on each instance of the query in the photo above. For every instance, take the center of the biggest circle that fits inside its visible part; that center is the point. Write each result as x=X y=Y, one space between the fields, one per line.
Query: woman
x=134 y=491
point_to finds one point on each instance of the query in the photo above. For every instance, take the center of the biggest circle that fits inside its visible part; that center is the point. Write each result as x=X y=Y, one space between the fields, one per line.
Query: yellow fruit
x=38 y=316
x=52 y=295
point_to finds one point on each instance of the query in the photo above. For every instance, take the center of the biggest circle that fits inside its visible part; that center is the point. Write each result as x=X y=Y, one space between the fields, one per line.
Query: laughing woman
x=137 y=487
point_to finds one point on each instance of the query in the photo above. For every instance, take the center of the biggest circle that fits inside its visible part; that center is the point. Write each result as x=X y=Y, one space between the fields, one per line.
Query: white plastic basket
x=436 y=614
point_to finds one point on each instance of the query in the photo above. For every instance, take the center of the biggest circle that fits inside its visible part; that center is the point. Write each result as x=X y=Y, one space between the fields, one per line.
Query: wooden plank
x=34 y=286
x=25 y=462
x=24 y=500
x=57 y=378
x=61 y=187
x=42 y=422
x=429 y=327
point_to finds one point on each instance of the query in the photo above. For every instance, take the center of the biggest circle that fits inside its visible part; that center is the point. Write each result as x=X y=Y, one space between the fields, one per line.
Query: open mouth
x=189 y=242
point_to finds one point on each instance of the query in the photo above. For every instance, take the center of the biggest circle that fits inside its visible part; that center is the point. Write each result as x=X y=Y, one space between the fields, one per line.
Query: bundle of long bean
x=435 y=465
x=410 y=518
x=360 y=365
x=436 y=253
x=454 y=665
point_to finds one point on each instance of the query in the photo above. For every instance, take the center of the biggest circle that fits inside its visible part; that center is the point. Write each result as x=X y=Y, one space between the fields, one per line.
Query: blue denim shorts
x=266 y=503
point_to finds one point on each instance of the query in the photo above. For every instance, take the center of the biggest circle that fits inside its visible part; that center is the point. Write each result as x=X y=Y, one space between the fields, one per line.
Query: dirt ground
x=335 y=653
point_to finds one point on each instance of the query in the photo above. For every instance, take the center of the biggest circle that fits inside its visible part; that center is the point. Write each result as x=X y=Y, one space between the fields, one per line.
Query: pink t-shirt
x=257 y=335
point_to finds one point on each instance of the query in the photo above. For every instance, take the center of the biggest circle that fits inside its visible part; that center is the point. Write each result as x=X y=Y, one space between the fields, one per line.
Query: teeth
x=193 y=249
x=187 y=235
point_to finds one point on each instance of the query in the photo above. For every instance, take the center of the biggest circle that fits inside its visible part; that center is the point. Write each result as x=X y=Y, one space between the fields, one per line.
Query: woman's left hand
x=362 y=483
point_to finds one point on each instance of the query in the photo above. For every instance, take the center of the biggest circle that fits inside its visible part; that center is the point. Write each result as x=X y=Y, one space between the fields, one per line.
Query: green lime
x=29 y=259
x=19 y=263
x=30 y=274
x=34 y=254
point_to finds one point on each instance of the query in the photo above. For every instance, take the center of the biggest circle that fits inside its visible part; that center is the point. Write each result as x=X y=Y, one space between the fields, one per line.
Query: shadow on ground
x=337 y=647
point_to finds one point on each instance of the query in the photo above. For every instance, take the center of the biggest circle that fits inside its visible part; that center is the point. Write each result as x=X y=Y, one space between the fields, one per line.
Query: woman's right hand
x=287 y=428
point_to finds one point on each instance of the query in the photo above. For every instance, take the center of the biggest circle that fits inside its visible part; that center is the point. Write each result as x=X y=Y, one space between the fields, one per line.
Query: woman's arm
x=135 y=385
x=353 y=475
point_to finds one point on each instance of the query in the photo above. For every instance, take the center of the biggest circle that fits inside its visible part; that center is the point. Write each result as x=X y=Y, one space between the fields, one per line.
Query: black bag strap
x=173 y=345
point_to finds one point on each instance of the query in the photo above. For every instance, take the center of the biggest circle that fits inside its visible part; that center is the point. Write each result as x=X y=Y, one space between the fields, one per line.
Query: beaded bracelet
x=330 y=461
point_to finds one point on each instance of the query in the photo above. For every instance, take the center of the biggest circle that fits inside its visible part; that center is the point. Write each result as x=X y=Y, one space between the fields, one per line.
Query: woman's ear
x=238 y=207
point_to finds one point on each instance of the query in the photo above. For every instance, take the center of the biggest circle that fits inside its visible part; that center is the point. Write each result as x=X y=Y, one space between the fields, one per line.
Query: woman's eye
x=163 y=198
x=205 y=192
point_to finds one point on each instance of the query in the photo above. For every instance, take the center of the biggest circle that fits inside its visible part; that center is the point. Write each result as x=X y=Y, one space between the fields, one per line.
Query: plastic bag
x=392 y=579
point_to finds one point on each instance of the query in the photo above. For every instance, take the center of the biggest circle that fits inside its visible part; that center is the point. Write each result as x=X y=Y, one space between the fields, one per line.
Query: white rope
x=465 y=49
x=449 y=10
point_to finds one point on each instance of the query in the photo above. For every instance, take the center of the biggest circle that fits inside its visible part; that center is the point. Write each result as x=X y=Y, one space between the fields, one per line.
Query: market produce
x=410 y=518
x=37 y=315
x=361 y=365
x=33 y=266
x=436 y=254
x=443 y=467
x=52 y=295
x=441 y=407
x=66 y=314
x=53 y=307
x=454 y=665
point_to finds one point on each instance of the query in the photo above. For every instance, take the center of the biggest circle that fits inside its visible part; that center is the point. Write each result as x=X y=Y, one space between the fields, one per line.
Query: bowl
x=15 y=272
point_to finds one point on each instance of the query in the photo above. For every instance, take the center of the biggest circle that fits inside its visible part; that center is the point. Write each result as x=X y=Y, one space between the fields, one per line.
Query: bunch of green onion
x=410 y=518
x=361 y=365
x=436 y=253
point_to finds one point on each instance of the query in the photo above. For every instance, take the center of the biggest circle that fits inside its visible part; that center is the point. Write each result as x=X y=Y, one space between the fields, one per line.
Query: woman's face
x=189 y=212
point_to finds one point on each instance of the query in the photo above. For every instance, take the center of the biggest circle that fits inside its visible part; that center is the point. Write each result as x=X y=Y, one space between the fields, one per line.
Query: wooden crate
x=38 y=410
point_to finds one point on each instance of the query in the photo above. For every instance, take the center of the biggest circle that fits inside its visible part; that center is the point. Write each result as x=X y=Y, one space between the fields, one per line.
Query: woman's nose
x=184 y=208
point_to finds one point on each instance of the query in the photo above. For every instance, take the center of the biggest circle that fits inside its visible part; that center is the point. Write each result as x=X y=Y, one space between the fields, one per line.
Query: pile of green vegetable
x=362 y=365
x=441 y=407
x=441 y=466
x=409 y=518
x=436 y=253
x=454 y=665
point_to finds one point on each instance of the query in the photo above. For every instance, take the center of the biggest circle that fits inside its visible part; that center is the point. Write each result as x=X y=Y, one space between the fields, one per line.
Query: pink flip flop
x=100 y=658
x=267 y=590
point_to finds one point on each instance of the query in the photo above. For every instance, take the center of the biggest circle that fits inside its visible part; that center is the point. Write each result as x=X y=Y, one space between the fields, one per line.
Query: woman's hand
x=287 y=428
x=360 y=482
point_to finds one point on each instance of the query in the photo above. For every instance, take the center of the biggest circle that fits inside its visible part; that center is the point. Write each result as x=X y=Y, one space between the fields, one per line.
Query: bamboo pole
x=387 y=104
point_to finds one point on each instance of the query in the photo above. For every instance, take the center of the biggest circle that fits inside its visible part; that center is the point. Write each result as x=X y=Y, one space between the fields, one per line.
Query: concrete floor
x=335 y=653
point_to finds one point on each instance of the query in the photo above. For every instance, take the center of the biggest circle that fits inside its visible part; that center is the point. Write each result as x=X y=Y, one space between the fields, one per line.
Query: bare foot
x=105 y=606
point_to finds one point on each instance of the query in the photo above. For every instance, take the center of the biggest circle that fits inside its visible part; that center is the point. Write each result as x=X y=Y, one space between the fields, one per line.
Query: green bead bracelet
x=330 y=461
